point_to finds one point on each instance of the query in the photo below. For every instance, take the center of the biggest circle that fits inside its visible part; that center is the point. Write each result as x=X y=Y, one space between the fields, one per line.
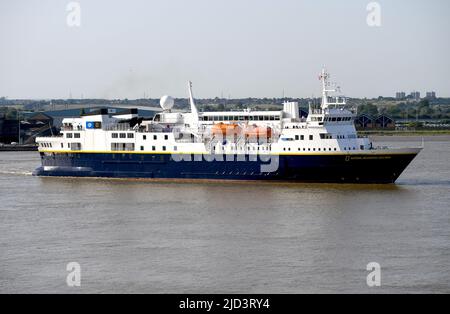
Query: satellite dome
x=166 y=102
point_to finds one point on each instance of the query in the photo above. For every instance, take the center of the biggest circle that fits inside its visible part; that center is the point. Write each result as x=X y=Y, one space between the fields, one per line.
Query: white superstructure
x=328 y=129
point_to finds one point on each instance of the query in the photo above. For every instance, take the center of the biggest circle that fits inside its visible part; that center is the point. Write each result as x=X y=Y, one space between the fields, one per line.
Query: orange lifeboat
x=225 y=129
x=258 y=132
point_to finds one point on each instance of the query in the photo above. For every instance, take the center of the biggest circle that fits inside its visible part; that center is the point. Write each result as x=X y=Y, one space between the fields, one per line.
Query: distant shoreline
x=410 y=137
x=405 y=133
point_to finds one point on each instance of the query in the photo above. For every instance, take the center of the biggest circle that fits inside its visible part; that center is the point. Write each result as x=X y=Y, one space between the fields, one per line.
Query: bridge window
x=130 y=135
x=115 y=135
x=76 y=135
x=68 y=135
x=310 y=137
x=123 y=135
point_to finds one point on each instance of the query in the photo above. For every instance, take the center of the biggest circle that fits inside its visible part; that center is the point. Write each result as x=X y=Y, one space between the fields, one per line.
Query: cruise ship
x=282 y=145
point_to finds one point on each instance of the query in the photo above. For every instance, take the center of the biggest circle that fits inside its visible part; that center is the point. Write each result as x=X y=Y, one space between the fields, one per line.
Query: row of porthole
x=155 y=137
x=164 y=148
x=237 y=173
x=318 y=149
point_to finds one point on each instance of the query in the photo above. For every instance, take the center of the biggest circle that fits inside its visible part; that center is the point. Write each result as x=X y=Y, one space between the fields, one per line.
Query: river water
x=143 y=236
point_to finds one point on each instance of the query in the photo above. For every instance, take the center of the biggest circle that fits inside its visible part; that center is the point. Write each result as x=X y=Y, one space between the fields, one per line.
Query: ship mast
x=194 y=110
x=324 y=76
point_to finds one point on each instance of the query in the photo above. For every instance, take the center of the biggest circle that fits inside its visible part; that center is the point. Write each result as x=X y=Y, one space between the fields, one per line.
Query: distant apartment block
x=400 y=95
x=431 y=95
x=415 y=95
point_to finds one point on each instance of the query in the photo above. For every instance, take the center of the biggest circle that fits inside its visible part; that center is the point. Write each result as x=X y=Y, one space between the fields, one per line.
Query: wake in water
x=424 y=182
x=17 y=172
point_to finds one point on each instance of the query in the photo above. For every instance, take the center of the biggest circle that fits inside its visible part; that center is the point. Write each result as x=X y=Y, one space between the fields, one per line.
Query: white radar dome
x=166 y=102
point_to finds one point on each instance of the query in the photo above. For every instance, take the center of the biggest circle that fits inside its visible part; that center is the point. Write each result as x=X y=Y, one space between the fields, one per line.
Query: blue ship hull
x=333 y=168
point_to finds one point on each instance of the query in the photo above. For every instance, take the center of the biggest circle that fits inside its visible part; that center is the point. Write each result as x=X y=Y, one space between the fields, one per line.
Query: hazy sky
x=237 y=48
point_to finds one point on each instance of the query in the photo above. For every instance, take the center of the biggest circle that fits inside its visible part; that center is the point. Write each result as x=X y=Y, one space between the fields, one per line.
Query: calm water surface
x=141 y=236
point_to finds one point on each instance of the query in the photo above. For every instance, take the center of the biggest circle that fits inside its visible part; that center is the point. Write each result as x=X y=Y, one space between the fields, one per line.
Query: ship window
x=75 y=146
x=62 y=145
x=123 y=135
x=115 y=135
x=155 y=137
x=175 y=148
x=164 y=148
x=144 y=137
x=310 y=137
x=76 y=135
x=302 y=137
x=297 y=137
x=166 y=137
x=361 y=147
x=130 y=135
x=153 y=148
x=339 y=119
x=142 y=147
x=69 y=135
